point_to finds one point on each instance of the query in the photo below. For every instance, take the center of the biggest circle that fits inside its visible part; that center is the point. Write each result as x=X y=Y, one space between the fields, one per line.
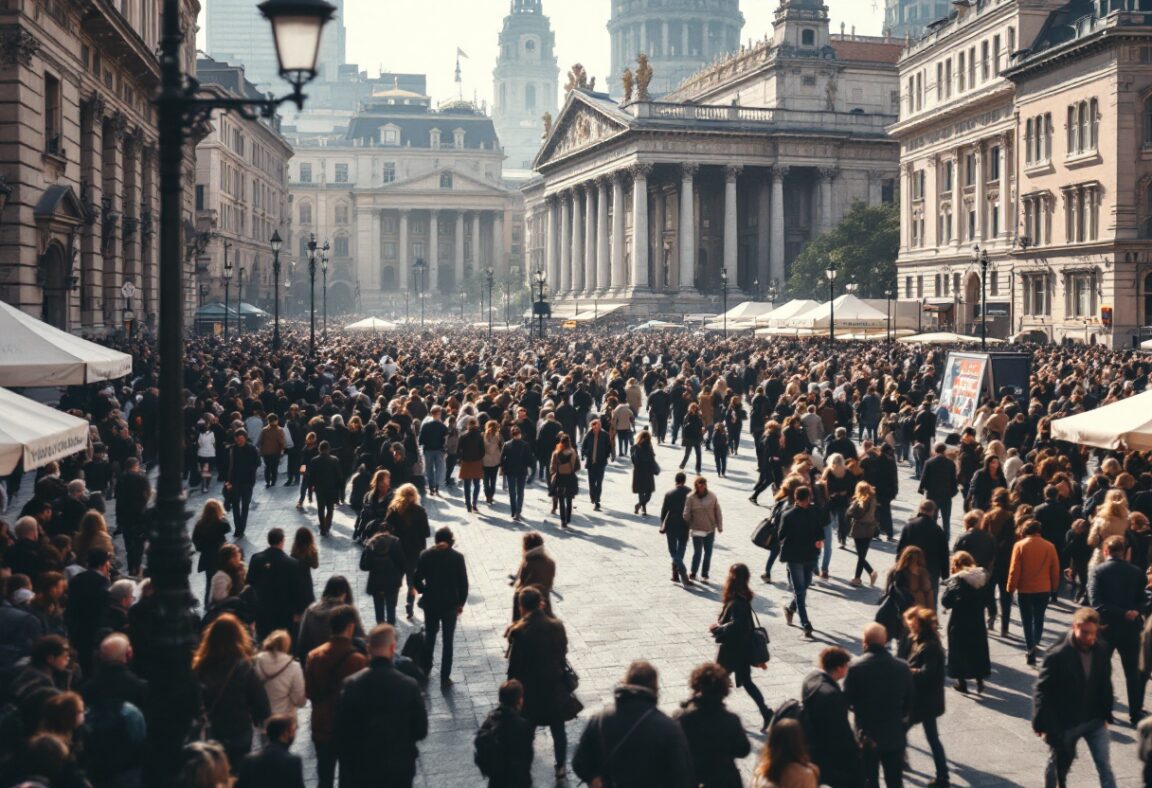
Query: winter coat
x=835 y=750
x=966 y=595
x=734 y=634
x=383 y=559
x=411 y=527
x=325 y=670
x=538 y=570
x=643 y=469
x=283 y=681
x=926 y=661
x=314 y=626
x=235 y=700
x=879 y=689
x=1103 y=528
x=537 y=653
x=380 y=716
x=702 y=513
x=1035 y=566
x=862 y=518
x=716 y=739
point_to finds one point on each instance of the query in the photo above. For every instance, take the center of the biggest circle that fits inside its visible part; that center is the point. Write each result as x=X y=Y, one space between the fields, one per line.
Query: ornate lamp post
x=830 y=272
x=513 y=272
x=773 y=292
x=888 y=329
x=540 y=279
x=240 y=302
x=276 y=243
x=724 y=296
x=463 y=295
x=166 y=620
x=419 y=267
x=312 y=294
x=980 y=258
x=227 y=289
x=489 y=278
x=324 y=273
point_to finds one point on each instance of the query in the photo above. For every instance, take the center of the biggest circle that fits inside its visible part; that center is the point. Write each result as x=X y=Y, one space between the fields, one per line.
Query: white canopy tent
x=851 y=314
x=1126 y=424
x=946 y=338
x=746 y=311
x=780 y=314
x=33 y=353
x=371 y=324
x=658 y=325
x=37 y=433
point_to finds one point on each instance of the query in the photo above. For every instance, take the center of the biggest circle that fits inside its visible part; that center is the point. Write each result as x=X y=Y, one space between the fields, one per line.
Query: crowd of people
x=374 y=426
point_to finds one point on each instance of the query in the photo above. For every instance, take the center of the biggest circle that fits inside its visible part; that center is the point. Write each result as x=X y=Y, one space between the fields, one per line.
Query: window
x=389 y=250
x=993 y=282
x=1082 y=213
x=970 y=170
x=341 y=173
x=341 y=213
x=936 y=287
x=1036 y=301
x=434 y=138
x=946 y=179
x=389 y=171
x=199 y=197
x=984 y=61
x=340 y=247
x=918 y=185
x=388 y=225
x=1029 y=135
x=808 y=38
x=390 y=135
x=994 y=164
x=995 y=56
x=529 y=46
x=995 y=209
x=944 y=282
x=305 y=173
x=1083 y=127
x=972 y=67
x=53 y=115
x=1081 y=293
x=908 y=287
x=920 y=286
x=445 y=180
x=530 y=97
x=303 y=247
x=948 y=78
x=418 y=250
x=939 y=81
x=305 y=213
x=960 y=72
x=971 y=224
x=458 y=139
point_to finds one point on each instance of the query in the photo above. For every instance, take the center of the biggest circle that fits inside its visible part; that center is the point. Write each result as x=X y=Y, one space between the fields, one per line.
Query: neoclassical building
x=406 y=184
x=78 y=161
x=648 y=202
x=525 y=81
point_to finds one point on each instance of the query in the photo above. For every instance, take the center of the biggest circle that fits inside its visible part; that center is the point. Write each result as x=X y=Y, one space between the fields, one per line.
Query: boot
x=675 y=574
x=1004 y=628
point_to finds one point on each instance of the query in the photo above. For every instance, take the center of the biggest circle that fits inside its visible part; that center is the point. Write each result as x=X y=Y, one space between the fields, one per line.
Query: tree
x=863 y=246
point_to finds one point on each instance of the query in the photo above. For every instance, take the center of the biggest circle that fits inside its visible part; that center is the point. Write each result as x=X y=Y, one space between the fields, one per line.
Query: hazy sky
x=421 y=36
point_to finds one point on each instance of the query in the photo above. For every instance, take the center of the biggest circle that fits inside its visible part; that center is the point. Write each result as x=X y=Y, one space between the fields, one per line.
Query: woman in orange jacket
x=1034 y=575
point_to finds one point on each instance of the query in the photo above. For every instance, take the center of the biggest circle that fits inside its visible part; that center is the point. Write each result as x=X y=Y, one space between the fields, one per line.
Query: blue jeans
x=1060 y=757
x=516 y=493
x=1032 y=609
x=677 y=546
x=801 y=577
x=702 y=544
x=827 y=559
x=434 y=469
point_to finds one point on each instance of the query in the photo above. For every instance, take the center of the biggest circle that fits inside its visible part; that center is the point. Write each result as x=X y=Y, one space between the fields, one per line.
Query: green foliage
x=863 y=247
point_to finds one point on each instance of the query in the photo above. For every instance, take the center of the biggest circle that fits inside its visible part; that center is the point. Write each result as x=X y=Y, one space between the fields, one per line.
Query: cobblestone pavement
x=614 y=595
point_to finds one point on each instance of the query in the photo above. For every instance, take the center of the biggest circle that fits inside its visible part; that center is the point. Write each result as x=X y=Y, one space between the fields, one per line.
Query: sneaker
x=767 y=578
x=855 y=582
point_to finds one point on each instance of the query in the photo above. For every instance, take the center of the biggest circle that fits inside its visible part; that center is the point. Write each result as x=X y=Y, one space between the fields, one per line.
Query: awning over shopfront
x=36 y=433
x=33 y=353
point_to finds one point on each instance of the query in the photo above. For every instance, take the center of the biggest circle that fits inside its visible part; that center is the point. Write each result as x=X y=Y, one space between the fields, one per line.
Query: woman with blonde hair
x=408 y=522
x=864 y=527
x=92 y=535
x=1111 y=520
x=233 y=695
x=838 y=483
x=281 y=675
x=208 y=535
x=493 y=447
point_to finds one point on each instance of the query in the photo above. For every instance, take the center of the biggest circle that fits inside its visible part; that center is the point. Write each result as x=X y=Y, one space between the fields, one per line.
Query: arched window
x=340 y=246
x=808 y=38
x=305 y=213
x=341 y=213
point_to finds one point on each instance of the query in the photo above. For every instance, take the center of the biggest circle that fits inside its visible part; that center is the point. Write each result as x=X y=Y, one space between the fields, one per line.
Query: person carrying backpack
x=503 y=745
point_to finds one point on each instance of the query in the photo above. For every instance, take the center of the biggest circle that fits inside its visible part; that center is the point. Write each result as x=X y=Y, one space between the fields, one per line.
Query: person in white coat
x=281 y=675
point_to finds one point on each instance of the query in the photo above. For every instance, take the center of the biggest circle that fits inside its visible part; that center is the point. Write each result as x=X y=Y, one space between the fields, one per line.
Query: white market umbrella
x=33 y=353
x=37 y=433
x=785 y=312
x=946 y=338
x=850 y=314
x=371 y=324
x=1126 y=424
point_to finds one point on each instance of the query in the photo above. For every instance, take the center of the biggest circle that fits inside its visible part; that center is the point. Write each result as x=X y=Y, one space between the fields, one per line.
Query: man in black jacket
x=801 y=538
x=515 y=461
x=634 y=743
x=834 y=746
x=878 y=686
x=326 y=476
x=275 y=577
x=87 y=601
x=880 y=470
x=1116 y=591
x=595 y=449
x=133 y=491
x=675 y=528
x=546 y=439
x=433 y=434
x=273 y=766
x=380 y=716
x=923 y=532
x=938 y=484
x=441 y=579
x=1055 y=520
x=659 y=406
x=1073 y=700
x=243 y=462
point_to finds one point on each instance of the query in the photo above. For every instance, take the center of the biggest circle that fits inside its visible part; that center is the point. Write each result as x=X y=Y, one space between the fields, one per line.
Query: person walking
x=692 y=435
x=644 y=471
x=675 y=527
x=926 y=661
x=383 y=559
x=923 y=532
x=839 y=484
x=516 y=461
x=634 y=743
x=208 y=535
x=272 y=443
x=441 y=579
x=1034 y=575
x=133 y=492
x=308 y=452
x=835 y=750
x=431 y=438
x=275 y=577
x=863 y=527
x=407 y=519
x=205 y=453
x=273 y=765
x=562 y=469
x=537 y=658
x=595 y=450
x=537 y=570
x=281 y=674
x=965 y=595
x=769 y=462
x=503 y=745
x=801 y=537
x=471 y=453
x=493 y=447
x=325 y=669
x=380 y=719
x=880 y=691
x=374 y=506
x=734 y=631
x=939 y=484
x=716 y=737
x=1073 y=700
x=623 y=419
x=704 y=519
x=243 y=460
x=326 y=477
x=1116 y=590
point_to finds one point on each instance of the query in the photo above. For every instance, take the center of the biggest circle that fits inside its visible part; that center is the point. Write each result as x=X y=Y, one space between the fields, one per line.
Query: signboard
x=128 y=290
x=965 y=378
x=1010 y=375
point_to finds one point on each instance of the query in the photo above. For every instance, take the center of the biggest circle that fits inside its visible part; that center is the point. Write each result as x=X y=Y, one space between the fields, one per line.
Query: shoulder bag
x=758 y=653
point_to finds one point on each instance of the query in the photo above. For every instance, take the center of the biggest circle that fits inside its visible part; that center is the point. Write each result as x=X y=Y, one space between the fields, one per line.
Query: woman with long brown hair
x=307 y=558
x=92 y=534
x=208 y=536
x=733 y=630
x=230 y=576
x=471 y=451
x=784 y=761
x=233 y=695
x=493 y=446
x=564 y=466
x=863 y=527
x=926 y=661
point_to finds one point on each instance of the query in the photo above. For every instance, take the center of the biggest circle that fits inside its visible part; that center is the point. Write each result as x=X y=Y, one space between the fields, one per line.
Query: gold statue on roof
x=577 y=78
x=629 y=82
x=643 y=77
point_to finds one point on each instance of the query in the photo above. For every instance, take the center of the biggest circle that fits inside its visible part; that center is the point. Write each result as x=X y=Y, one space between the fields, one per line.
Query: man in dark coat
x=1116 y=591
x=133 y=491
x=69 y=510
x=716 y=737
x=441 y=579
x=87 y=601
x=834 y=746
x=513 y=739
x=938 y=484
x=634 y=743
x=659 y=406
x=878 y=686
x=19 y=629
x=380 y=716
x=923 y=532
x=273 y=766
x=326 y=476
x=546 y=439
x=114 y=680
x=801 y=537
x=23 y=556
x=880 y=470
x=537 y=655
x=1073 y=699
x=275 y=577
x=324 y=672
x=516 y=460
x=595 y=449
x=243 y=462
x=675 y=527
x=1055 y=520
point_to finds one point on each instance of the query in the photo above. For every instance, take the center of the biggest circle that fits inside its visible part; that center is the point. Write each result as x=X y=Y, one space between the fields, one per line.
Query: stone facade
x=80 y=167
x=407 y=183
x=911 y=18
x=525 y=82
x=241 y=194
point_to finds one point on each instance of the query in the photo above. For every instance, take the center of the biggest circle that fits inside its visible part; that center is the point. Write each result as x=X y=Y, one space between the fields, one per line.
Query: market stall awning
x=33 y=353
x=37 y=433
x=1126 y=424
x=216 y=311
x=850 y=313
x=946 y=338
x=371 y=324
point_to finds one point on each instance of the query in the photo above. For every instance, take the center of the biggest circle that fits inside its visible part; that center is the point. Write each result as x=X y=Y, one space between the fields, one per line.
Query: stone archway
x=55 y=285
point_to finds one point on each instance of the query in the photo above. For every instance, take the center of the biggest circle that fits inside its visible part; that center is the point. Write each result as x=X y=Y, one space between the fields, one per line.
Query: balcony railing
x=854 y=122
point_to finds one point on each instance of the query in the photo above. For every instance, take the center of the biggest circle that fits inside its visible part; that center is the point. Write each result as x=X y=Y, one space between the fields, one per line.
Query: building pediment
x=462 y=183
x=586 y=120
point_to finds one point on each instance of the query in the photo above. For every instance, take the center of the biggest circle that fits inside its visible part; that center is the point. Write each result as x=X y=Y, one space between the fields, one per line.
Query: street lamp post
x=166 y=621
x=240 y=302
x=419 y=266
x=513 y=272
x=312 y=294
x=980 y=257
x=227 y=289
x=540 y=279
x=324 y=272
x=888 y=328
x=724 y=297
x=276 y=243
x=463 y=295
x=773 y=292
x=490 y=279
x=830 y=272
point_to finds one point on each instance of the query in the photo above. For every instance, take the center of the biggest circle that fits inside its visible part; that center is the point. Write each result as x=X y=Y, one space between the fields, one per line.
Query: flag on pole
x=461 y=53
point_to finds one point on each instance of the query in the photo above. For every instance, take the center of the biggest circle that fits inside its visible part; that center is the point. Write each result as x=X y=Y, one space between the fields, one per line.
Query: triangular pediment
x=585 y=120
x=462 y=183
x=59 y=203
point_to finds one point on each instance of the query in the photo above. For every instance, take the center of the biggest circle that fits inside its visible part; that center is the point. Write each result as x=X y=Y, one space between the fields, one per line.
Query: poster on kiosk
x=970 y=378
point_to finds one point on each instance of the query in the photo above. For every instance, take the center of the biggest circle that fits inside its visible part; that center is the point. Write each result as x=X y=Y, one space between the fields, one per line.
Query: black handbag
x=571 y=677
x=758 y=653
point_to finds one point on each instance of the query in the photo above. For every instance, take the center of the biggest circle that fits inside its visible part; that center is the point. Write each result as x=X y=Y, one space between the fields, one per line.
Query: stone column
x=1007 y=222
x=478 y=261
x=981 y=194
x=906 y=206
x=875 y=187
x=687 y=225
x=402 y=253
x=776 y=256
x=552 y=243
x=112 y=202
x=375 y=252
x=367 y=235
x=826 y=176
x=459 y=251
x=590 y=229
x=149 y=231
x=619 y=276
x=91 y=260
x=640 y=173
x=603 y=254
x=763 y=222
x=576 y=274
x=959 y=215
x=432 y=277
x=932 y=203
x=731 y=224
x=130 y=221
x=499 y=257
x=659 y=222
x=563 y=284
